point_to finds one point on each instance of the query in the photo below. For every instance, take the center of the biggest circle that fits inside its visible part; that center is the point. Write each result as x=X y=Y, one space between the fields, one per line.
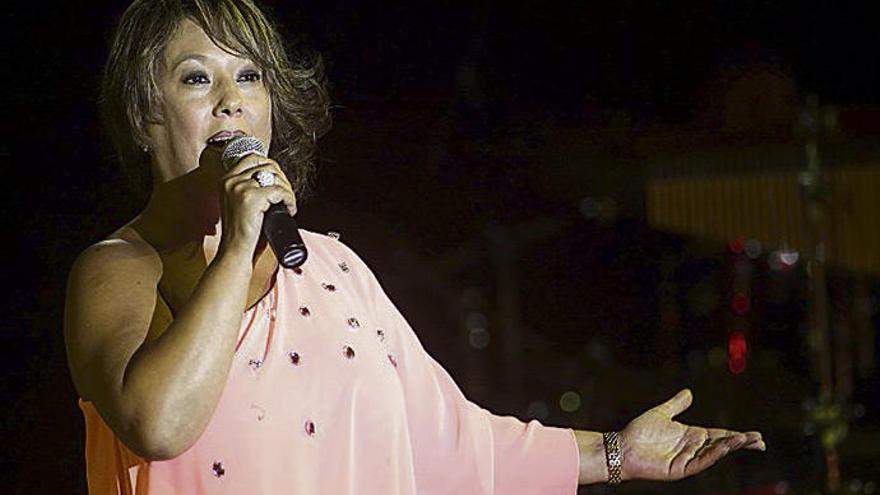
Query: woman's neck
x=182 y=211
x=184 y=238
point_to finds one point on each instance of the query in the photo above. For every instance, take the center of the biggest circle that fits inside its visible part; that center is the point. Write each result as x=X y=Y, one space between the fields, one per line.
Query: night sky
x=446 y=118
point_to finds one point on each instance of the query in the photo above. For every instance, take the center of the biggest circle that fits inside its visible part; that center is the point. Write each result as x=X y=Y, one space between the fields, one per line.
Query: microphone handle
x=283 y=236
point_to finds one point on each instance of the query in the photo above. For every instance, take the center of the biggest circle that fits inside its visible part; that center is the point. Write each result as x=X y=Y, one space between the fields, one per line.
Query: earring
x=145 y=148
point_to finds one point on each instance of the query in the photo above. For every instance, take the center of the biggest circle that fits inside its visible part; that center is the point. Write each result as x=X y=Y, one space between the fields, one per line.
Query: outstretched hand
x=657 y=448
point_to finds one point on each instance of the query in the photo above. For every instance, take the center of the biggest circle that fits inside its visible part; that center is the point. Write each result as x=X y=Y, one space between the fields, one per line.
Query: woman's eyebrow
x=188 y=56
x=203 y=58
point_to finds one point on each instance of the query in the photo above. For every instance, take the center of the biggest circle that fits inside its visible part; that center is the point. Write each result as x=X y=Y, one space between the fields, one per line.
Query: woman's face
x=204 y=90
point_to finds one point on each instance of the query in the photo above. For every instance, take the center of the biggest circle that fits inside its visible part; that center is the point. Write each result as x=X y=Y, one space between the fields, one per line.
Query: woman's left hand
x=657 y=448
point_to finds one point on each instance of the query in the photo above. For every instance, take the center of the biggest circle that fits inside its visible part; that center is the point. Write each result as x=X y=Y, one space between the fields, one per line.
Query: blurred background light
x=740 y=303
x=717 y=357
x=736 y=352
x=753 y=248
x=570 y=401
x=479 y=338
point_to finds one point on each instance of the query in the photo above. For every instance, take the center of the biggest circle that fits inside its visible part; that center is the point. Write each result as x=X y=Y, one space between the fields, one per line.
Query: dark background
x=484 y=151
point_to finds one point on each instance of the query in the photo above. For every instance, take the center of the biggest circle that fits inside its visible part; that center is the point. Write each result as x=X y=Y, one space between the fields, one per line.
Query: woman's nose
x=229 y=103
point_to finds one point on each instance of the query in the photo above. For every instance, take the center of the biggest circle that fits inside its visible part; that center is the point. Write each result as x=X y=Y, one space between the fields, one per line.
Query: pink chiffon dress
x=331 y=392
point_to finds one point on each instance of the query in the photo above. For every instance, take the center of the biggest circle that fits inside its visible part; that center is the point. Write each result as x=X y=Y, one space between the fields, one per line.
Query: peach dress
x=331 y=392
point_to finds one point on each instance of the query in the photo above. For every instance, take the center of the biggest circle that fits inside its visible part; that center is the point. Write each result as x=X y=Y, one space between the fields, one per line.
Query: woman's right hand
x=243 y=202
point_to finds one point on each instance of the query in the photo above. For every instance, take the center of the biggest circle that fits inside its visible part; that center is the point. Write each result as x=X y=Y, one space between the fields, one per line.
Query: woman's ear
x=143 y=141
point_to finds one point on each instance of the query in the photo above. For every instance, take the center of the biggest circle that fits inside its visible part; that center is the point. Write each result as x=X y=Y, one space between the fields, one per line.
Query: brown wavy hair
x=130 y=90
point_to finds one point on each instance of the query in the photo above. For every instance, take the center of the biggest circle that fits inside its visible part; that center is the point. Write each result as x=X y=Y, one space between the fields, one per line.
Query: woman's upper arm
x=111 y=296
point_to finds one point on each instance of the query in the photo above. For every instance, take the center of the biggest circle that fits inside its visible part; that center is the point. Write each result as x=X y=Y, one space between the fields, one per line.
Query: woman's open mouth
x=220 y=139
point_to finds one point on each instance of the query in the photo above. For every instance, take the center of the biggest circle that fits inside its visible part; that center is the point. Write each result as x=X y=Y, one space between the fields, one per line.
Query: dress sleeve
x=459 y=447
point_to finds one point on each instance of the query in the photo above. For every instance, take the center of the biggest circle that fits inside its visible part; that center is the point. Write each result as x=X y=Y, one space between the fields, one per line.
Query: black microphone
x=278 y=226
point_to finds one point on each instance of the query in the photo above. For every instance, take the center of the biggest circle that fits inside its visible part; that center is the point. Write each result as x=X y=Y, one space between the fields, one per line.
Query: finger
x=269 y=165
x=716 y=433
x=248 y=162
x=750 y=436
x=269 y=194
x=677 y=404
x=681 y=460
x=737 y=439
x=248 y=175
x=712 y=454
x=278 y=194
x=754 y=441
x=281 y=191
x=272 y=166
x=759 y=446
x=753 y=436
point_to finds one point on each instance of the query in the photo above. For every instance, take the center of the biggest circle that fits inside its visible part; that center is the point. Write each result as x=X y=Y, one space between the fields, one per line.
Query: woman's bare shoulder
x=111 y=301
x=123 y=246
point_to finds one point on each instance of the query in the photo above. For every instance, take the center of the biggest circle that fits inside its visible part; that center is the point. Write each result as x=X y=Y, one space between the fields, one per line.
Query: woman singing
x=204 y=367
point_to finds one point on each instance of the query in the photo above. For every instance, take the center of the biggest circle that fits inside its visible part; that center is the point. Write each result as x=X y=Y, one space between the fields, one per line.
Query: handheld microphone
x=279 y=227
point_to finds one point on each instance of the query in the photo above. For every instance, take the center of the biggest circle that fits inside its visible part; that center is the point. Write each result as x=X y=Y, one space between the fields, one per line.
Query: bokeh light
x=736 y=352
x=479 y=338
x=736 y=246
x=753 y=248
x=740 y=303
x=570 y=401
x=717 y=357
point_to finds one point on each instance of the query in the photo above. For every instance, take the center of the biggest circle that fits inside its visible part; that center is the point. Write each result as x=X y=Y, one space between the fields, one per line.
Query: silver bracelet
x=613 y=456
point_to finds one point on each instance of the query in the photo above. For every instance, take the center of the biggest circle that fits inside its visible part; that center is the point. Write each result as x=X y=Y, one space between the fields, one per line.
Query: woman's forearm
x=592 y=467
x=176 y=380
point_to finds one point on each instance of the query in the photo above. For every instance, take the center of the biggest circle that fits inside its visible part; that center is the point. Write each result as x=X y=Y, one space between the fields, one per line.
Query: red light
x=736 y=352
x=740 y=303
x=736 y=366
x=736 y=246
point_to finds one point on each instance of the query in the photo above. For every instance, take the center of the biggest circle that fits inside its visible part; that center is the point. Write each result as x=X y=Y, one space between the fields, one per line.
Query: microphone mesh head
x=239 y=147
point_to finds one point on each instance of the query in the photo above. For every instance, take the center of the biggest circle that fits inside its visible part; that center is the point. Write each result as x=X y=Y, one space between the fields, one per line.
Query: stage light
x=781 y=488
x=737 y=347
x=475 y=320
x=736 y=366
x=479 y=338
x=789 y=258
x=717 y=357
x=736 y=246
x=570 y=401
x=753 y=248
x=740 y=303
x=590 y=208
x=783 y=260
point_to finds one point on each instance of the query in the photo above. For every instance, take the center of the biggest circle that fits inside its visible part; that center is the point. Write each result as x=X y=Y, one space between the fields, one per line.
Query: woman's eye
x=196 y=78
x=250 y=76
